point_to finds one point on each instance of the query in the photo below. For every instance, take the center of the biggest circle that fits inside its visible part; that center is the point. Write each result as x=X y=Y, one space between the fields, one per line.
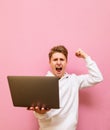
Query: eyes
x=56 y=59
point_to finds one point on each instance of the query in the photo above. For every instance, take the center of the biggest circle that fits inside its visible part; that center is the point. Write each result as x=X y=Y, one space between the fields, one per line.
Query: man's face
x=58 y=64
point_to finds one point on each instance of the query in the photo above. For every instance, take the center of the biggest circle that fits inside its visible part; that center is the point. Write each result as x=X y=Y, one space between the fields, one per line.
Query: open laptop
x=29 y=91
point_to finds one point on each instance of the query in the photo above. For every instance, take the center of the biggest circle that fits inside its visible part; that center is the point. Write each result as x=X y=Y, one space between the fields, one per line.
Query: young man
x=69 y=84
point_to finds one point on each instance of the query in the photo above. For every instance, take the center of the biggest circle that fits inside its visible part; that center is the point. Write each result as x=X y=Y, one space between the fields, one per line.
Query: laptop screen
x=29 y=91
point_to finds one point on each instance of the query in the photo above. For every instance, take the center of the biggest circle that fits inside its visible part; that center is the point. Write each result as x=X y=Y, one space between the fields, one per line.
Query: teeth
x=58 y=68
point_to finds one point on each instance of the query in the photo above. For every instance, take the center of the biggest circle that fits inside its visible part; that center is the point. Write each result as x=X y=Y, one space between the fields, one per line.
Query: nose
x=58 y=62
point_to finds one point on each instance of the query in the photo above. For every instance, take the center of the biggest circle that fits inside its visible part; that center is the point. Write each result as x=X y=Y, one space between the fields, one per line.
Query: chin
x=59 y=76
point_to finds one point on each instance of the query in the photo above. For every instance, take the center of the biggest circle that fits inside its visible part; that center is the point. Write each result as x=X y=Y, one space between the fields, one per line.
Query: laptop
x=33 y=91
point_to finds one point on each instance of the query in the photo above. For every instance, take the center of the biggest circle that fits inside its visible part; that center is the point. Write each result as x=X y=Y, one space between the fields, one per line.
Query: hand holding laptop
x=40 y=110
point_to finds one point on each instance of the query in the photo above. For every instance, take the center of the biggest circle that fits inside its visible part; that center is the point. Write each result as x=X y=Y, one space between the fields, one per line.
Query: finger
x=36 y=108
x=30 y=108
x=42 y=108
x=47 y=109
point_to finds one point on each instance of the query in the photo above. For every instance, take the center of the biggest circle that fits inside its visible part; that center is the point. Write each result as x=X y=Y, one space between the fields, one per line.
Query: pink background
x=29 y=28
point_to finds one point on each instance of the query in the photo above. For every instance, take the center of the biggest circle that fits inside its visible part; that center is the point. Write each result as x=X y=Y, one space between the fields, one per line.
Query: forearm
x=93 y=70
x=93 y=76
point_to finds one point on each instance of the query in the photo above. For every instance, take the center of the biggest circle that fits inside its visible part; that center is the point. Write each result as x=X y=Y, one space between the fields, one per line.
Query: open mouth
x=58 y=69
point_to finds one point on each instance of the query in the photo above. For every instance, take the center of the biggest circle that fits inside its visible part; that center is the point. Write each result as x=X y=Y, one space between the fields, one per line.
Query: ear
x=66 y=60
x=49 y=61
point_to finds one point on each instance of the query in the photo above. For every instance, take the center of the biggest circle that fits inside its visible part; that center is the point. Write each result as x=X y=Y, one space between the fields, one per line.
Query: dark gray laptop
x=29 y=91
